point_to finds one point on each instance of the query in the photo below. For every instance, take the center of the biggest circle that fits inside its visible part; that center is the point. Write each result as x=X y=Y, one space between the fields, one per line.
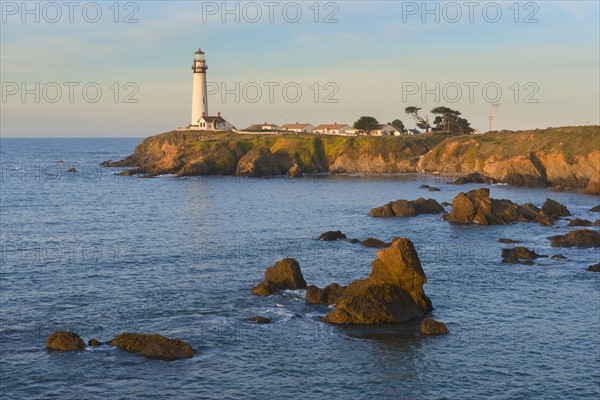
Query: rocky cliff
x=568 y=156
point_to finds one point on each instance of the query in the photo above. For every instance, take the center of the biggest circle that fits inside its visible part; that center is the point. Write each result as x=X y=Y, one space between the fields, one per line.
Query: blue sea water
x=100 y=254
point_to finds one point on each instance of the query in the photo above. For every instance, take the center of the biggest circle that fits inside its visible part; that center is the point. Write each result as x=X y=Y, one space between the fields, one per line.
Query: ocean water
x=100 y=255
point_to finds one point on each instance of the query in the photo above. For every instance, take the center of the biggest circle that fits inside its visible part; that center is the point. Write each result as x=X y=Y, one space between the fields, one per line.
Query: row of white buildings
x=331 y=129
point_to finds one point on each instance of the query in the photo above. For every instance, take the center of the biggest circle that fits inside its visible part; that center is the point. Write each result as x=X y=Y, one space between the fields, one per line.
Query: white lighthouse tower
x=199 y=98
x=200 y=118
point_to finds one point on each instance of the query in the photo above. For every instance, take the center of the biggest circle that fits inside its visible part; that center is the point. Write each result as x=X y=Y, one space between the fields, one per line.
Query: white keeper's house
x=332 y=129
x=298 y=127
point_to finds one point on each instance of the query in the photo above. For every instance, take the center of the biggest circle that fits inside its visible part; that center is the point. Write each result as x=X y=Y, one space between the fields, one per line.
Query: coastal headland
x=564 y=158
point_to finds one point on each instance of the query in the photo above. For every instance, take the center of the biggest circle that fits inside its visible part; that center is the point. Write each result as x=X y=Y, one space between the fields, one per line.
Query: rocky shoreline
x=563 y=158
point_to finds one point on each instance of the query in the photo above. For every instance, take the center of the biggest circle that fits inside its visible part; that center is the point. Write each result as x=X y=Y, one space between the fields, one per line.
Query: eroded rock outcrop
x=153 y=346
x=285 y=274
x=331 y=236
x=582 y=238
x=326 y=296
x=554 y=209
x=580 y=222
x=259 y=320
x=430 y=326
x=519 y=255
x=393 y=292
x=594 y=268
x=258 y=162
x=64 y=341
x=374 y=243
x=474 y=177
x=476 y=207
x=407 y=208
x=593 y=186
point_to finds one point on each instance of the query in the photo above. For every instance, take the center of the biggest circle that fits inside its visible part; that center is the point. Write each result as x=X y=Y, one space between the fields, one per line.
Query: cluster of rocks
x=152 y=346
x=474 y=177
x=407 y=208
x=331 y=236
x=430 y=188
x=393 y=292
x=582 y=238
x=519 y=255
x=476 y=207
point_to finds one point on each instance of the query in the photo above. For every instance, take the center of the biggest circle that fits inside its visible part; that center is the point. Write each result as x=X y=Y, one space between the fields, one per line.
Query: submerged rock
x=374 y=243
x=580 y=222
x=94 y=343
x=430 y=326
x=594 y=268
x=64 y=341
x=393 y=292
x=326 y=296
x=128 y=172
x=558 y=257
x=519 y=255
x=285 y=274
x=434 y=189
x=330 y=236
x=554 y=209
x=259 y=320
x=153 y=346
x=407 y=208
x=505 y=240
x=582 y=238
x=476 y=207
x=72 y=169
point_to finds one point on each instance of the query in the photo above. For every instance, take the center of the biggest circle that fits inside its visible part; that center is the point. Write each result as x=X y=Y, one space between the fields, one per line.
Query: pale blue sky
x=370 y=55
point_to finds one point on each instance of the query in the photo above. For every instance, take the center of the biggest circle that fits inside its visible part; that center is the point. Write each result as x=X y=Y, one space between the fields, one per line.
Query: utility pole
x=495 y=110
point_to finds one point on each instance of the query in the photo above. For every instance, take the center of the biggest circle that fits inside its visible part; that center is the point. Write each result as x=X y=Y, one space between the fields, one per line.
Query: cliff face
x=200 y=153
x=560 y=156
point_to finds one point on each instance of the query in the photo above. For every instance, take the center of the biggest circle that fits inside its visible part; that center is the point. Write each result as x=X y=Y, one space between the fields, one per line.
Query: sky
x=123 y=69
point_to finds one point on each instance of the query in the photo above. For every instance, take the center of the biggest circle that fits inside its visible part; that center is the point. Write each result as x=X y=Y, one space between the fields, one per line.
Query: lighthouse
x=200 y=118
x=199 y=98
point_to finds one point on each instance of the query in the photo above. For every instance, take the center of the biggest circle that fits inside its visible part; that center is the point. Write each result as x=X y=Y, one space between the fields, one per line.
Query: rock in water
x=505 y=240
x=558 y=257
x=580 y=222
x=72 y=169
x=582 y=238
x=554 y=209
x=519 y=255
x=476 y=207
x=153 y=346
x=594 y=268
x=474 y=177
x=259 y=320
x=330 y=236
x=434 y=189
x=285 y=274
x=374 y=243
x=392 y=293
x=326 y=296
x=64 y=341
x=595 y=209
x=407 y=208
x=94 y=343
x=593 y=186
x=432 y=327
